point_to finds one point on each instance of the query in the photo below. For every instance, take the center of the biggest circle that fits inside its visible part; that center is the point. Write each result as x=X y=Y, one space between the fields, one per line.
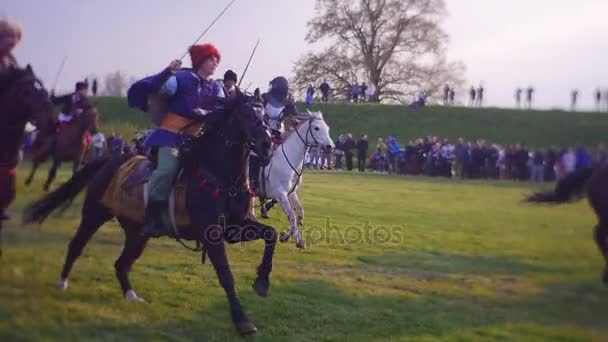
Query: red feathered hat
x=199 y=53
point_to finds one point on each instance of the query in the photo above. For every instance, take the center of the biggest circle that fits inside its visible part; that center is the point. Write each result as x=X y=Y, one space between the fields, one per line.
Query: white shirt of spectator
x=98 y=140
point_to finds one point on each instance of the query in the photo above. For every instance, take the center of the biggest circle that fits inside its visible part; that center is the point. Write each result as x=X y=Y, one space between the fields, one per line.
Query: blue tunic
x=186 y=91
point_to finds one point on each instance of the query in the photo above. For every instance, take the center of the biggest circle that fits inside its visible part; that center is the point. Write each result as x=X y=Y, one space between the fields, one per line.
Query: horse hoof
x=300 y=245
x=261 y=285
x=300 y=219
x=284 y=237
x=131 y=296
x=265 y=216
x=62 y=284
x=246 y=328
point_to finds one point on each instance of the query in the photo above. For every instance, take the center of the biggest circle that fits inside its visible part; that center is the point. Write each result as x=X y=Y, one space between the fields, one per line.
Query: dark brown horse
x=217 y=200
x=22 y=99
x=594 y=184
x=64 y=143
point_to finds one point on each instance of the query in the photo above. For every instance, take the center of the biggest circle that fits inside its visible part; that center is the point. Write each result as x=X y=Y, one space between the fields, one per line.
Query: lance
x=248 y=62
x=209 y=27
x=65 y=58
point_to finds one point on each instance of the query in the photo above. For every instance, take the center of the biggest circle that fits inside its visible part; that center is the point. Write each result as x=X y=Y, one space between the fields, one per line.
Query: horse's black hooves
x=300 y=245
x=284 y=237
x=261 y=286
x=246 y=328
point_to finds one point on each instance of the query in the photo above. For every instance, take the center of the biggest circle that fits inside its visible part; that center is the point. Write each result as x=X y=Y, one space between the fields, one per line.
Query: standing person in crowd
x=480 y=91
x=348 y=146
x=573 y=99
x=362 y=147
x=94 y=87
x=117 y=145
x=583 y=159
x=538 y=167
x=518 y=92
x=459 y=155
x=392 y=153
x=98 y=141
x=326 y=157
x=381 y=148
x=568 y=161
x=598 y=99
x=472 y=94
x=529 y=96
x=339 y=151
x=324 y=88
x=550 y=160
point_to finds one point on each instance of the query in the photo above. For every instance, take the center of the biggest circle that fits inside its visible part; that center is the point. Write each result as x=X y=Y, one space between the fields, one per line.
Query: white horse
x=281 y=179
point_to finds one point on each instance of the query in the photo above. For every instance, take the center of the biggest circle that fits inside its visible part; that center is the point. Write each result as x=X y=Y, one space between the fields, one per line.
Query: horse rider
x=229 y=84
x=278 y=105
x=72 y=104
x=190 y=95
x=10 y=36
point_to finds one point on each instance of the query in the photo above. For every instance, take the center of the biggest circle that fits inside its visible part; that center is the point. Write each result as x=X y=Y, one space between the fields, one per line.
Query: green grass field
x=402 y=259
x=534 y=128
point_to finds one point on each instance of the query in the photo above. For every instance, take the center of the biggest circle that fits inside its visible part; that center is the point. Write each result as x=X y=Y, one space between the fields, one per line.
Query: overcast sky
x=554 y=45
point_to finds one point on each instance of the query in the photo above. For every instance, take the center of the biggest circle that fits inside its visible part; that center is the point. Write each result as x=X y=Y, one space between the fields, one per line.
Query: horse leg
x=76 y=165
x=94 y=215
x=52 y=174
x=294 y=200
x=134 y=247
x=30 y=178
x=251 y=230
x=601 y=239
x=293 y=225
x=213 y=241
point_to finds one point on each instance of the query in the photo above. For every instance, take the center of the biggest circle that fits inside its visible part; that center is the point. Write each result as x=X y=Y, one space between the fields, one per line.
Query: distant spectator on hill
x=354 y=92
x=598 y=99
x=472 y=93
x=529 y=96
x=310 y=95
x=363 y=92
x=446 y=95
x=573 y=99
x=452 y=96
x=479 y=96
x=324 y=88
x=518 y=92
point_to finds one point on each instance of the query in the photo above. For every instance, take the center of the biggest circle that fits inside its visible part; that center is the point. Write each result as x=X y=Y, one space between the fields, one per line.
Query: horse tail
x=65 y=194
x=572 y=187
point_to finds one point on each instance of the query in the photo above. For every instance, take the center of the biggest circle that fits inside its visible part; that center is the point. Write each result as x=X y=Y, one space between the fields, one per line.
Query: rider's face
x=208 y=67
x=7 y=43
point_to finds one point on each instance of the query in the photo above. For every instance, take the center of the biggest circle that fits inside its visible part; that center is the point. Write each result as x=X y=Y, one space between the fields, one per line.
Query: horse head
x=317 y=132
x=25 y=95
x=248 y=115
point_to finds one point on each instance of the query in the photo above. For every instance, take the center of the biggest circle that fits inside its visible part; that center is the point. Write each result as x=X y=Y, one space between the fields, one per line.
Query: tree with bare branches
x=397 y=46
